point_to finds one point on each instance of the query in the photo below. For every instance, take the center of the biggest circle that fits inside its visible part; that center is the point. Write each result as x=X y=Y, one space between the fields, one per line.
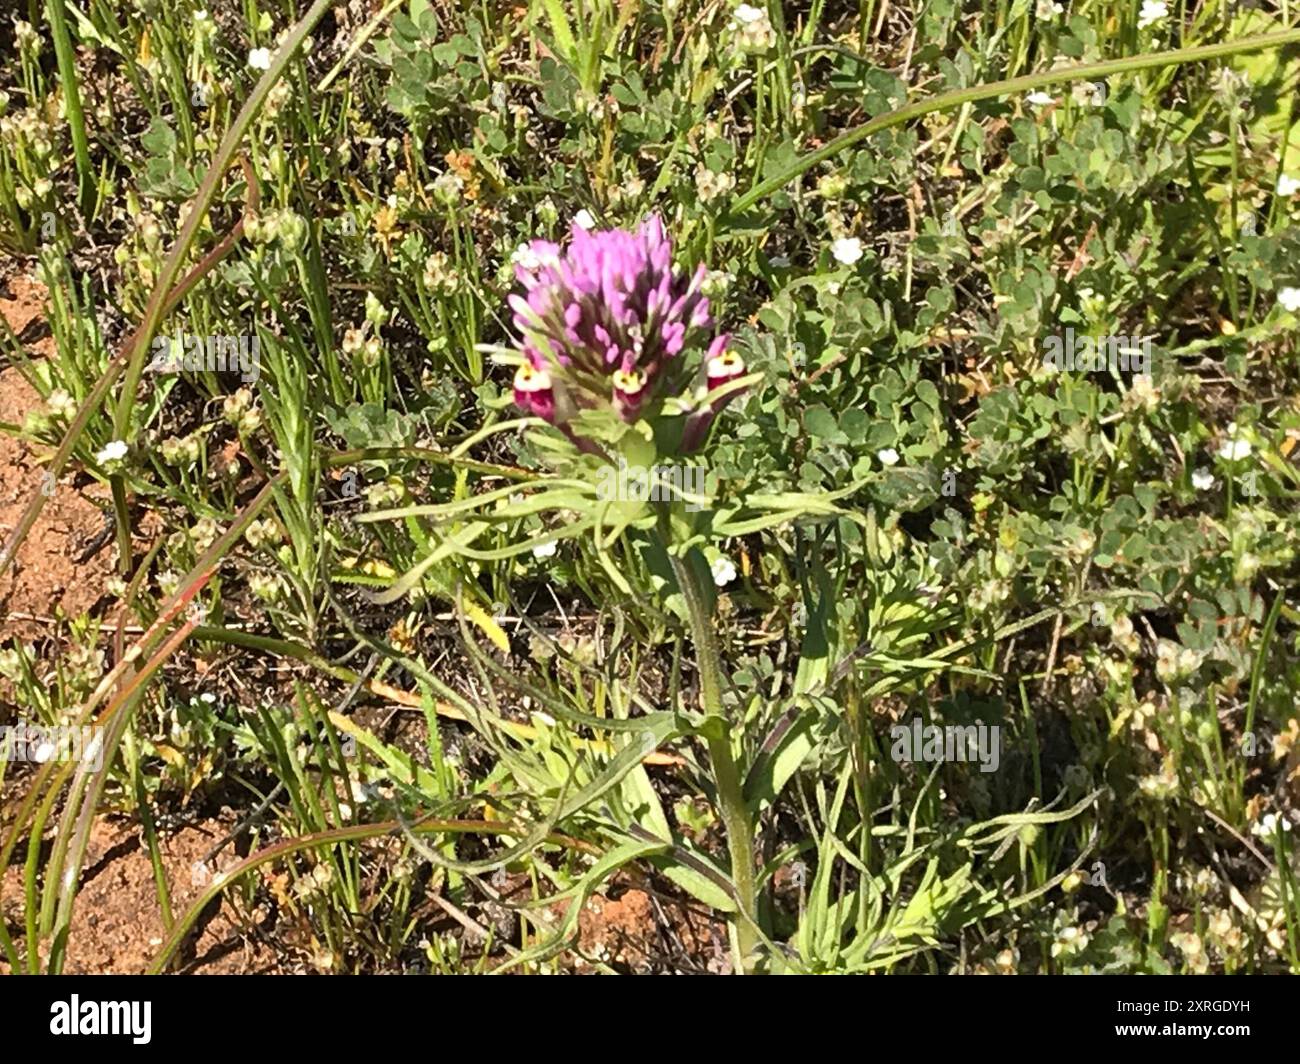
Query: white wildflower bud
x=292 y=230
x=439 y=274
x=447 y=188
x=376 y=313
x=261 y=533
x=753 y=29
x=61 y=404
x=235 y=404
x=710 y=185
x=353 y=339
x=249 y=421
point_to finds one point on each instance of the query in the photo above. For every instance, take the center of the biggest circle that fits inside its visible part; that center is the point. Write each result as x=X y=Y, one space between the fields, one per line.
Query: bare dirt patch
x=47 y=575
x=117 y=926
x=638 y=932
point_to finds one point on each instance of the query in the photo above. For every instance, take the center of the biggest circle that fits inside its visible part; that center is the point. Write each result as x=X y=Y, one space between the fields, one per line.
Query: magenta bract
x=605 y=321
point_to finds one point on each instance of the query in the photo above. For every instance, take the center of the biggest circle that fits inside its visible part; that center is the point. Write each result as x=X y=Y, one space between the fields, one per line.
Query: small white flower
x=584 y=220
x=260 y=58
x=724 y=572
x=1047 y=9
x=754 y=32
x=61 y=404
x=1288 y=185
x=1202 y=480
x=448 y=186
x=847 y=250
x=1289 y=298
x=1153 y=11
x=526 y=257
x=113 y=451
x=546 y=550
x=888 y=456
x=711 y=185
x=1234 y=449
x=1271 y=824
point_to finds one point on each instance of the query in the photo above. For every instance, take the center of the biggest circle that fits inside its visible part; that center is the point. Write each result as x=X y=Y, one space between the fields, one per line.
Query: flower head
x=847 y=250
x=1271 y=824
x=1153 y=11
x=1234 y=448
x=111 y=453
x=605 y=322
x=753 y=29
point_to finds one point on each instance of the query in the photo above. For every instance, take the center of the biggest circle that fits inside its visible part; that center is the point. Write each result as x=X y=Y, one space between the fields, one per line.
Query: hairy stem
x=726 y=772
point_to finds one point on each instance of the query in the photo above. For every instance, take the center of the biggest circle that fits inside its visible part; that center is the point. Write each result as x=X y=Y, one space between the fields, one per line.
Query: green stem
x=726 y=773
x=67 y=62
x=1013 y=86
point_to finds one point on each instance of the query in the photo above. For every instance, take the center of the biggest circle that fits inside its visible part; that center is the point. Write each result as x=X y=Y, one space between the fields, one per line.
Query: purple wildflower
x=605 y=321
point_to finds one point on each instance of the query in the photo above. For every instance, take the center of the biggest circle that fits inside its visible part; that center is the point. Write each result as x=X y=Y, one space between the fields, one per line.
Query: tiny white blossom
x=584 y=220
x=1202 y=480
x=1234 y=449
x=1040 y=99
x=847 y=250
x=260 y=58
x=1153 y=11
x=61 y=404
x=754 y=32
x=1289 y=298
x=545 y=550
x=1288 y=185
x=724 y=572
x=888 y=456
x=1271 y=824
x=526 y=257
x=113 y=451
x=711 y=185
